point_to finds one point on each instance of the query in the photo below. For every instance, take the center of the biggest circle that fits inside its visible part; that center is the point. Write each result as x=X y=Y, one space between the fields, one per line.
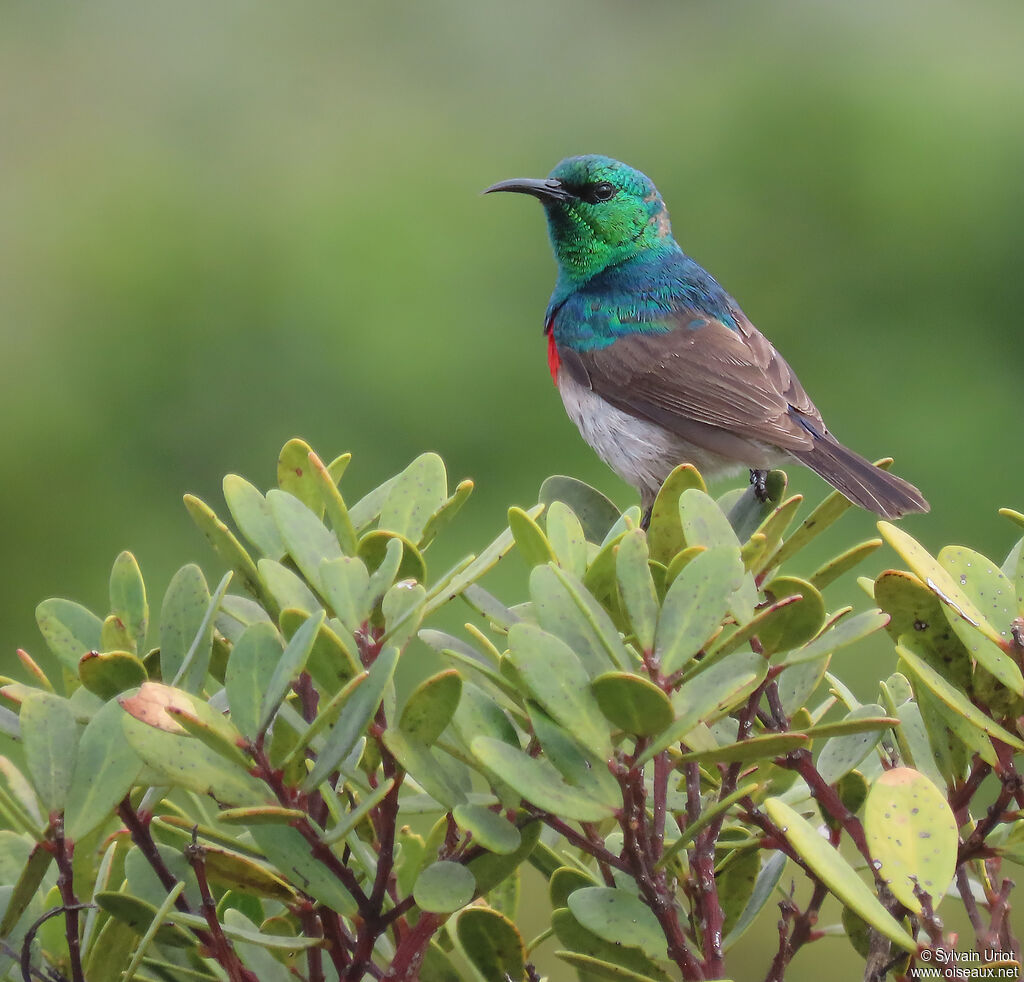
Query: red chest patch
x=553 y=360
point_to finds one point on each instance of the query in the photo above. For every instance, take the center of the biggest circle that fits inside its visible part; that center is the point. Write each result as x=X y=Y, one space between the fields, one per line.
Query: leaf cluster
x=654 y=728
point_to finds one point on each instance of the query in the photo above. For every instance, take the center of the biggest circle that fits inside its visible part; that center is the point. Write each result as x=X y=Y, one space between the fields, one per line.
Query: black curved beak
x=547 y=189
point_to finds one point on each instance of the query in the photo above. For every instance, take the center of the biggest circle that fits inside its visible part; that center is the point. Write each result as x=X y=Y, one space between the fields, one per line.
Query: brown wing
x=703 y=374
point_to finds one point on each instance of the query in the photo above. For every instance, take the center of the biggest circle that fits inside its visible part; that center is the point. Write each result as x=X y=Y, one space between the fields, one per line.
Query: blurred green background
x=224 y=225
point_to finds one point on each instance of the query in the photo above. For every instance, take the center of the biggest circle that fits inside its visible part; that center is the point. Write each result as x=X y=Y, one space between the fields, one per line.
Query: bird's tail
x=861 y=481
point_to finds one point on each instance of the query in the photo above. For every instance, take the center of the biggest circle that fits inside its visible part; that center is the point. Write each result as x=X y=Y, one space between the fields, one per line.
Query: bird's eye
x=602 y=191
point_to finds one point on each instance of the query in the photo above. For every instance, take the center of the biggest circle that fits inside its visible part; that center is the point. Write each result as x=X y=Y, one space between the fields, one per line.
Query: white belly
x=642 y=453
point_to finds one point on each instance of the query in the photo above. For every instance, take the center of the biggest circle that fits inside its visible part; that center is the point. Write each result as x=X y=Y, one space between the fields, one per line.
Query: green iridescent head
x=600 y=212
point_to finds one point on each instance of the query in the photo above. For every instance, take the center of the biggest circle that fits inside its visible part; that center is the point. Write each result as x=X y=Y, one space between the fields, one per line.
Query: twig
x=222 y=948
x=66 y=884
x=25 y=959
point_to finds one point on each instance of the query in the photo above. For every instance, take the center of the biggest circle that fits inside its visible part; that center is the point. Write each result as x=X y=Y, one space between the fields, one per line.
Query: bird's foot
x=645 y=520
x=759 y=481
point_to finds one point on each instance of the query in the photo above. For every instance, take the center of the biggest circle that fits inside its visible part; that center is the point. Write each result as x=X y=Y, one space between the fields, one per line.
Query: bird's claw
x=759 y=482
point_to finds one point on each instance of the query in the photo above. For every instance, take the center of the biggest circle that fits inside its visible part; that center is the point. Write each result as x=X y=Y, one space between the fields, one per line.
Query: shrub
x=241 y=794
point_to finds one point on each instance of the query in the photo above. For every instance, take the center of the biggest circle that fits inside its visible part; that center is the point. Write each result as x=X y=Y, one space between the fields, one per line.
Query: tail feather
x=860 y=480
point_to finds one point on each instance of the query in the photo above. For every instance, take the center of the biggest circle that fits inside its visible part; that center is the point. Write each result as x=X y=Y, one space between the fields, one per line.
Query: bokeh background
x=225 y=225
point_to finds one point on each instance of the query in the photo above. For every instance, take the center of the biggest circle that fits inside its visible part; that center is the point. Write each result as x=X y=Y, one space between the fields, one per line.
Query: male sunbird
x=657 y=365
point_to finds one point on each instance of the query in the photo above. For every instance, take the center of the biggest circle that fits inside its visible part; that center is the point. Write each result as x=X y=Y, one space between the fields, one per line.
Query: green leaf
x=595 y=512
x=252 y=515
x=619 y=917
x=735 y=882
x=558 y=681
x=829 y=572
x=262 y=962
x=912 y=835
x=845 y=632
x=773 y=528
x=479 y=715
x=915 y=610
x=746 y=513
x=431 y=705
x=225 y=544
x=690 y=833
x=402 y=608
x=179 y=760
x=251 y=666
x=937 y=579
x=345 y=583
x=764 y=888
x=489 y=829
x=725 y=643
x=26 y=887
x=820 y=519
x=69 y=630
x=633 y=703
x=390 y=557
x=830 y=867
x=530 y=539
x=695 y=605
x=367 y=508
x=564 y=881
x=351 y=819
x=564 y=607
x=128 y=598
x=444 y=513
x=418 y=492
x=984 y=584
x=447 y=590
x=334 y=658
x=492 y=869
x=712 y=692
x=949 y=696
x=181 y=619
x=565 y=536
x=491 y=943
x=590 y=968
x=762 y=747
x=842 y=754
x=437 y=966
x=106 y=768
x=796 y=624
x=286 y=849
x=599 y=958
x=538 y=781
x=287 y=588
x=289 y=667
x=703 y=522
x=49 y=735
x=334 y=503
x=444 y=887
x=665 y=535
x=442 y=777
x=851 y=724
x=636 y=587
x=360 y=709
x=306 y=537
x=583 y=766
x=139 y=914
x=297 y=477
x=111 y=672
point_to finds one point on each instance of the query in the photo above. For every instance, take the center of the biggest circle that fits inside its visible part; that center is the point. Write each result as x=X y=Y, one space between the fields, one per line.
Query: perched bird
x=657 y=365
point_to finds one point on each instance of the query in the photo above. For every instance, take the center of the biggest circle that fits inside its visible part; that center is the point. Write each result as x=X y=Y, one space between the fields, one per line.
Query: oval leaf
x=633 y=703
x=620 y=917
x=830 y=867
x=444 y=887
x=912 y=835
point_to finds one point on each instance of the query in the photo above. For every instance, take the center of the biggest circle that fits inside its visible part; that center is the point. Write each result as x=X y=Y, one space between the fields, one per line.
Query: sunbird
x=657 y=365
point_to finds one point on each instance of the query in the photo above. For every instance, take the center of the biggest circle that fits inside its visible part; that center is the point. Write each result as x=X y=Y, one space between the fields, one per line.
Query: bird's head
x=600 y=212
